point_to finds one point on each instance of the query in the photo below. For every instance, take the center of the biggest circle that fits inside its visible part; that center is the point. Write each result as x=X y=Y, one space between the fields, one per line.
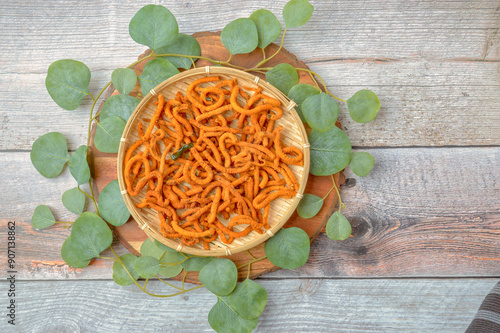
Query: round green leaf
x=219 y=276
x=240 y=36
x=289 y=248
x=169 y=271
x=90 y=235
x=299 y=93
x=297 y=13
x=111 y=205
x=283 y=76
x=72 y=257
x=74 y=200
x=170 y=261
x=182 y=44
x=309 y=206
x=148 y=248
x=224 y=319
x=268 y=27
x=108 y=134
x=153 y=26
x=67 y=82
x=321 y=111
x=337 y=227
x=120 y=275
x=49 y=154
x=119 y=105
x=147 y=266
x=42 y=217
x=124 y=80
x=248 y=299
x=330 y=151
x=195 y=264
x=361 y=163
x=363 y=106
x=155 y=72
x=78 y=165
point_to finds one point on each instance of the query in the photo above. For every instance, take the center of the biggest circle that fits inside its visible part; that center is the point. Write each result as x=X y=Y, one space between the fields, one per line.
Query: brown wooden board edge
x=192 y=277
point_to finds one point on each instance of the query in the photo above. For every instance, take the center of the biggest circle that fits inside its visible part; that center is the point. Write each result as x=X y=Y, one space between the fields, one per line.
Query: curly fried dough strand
x=189 y=93
x=271 y=102
x=184 y=232
x=265 y=197
x=156 y=116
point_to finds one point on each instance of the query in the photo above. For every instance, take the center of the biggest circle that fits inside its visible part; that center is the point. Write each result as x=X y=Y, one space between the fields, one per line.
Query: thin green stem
x=213 y=61
x=251 y=255
x=248 y=273
x=322 y=82
x=107 y=258
x=93 y=197
x=64 y=222
x=263 y=54
x=184 y=279
x=331 y=189
x=141 y=60
x=338 y=194
x=252 y=261
x=169 y=284
x=86 y=194
x=98 y=113
x=279 y=49
x=165 y=264
x=145 y=283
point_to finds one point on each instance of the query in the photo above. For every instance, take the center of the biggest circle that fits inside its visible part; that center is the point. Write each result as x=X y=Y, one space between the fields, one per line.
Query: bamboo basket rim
x=288 y=105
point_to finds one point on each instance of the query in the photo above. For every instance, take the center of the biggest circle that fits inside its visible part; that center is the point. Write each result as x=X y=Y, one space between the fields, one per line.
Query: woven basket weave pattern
x=293 y=133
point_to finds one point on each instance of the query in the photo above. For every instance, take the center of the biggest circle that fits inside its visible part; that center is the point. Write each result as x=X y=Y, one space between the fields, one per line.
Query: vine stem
x=216 y=62
x=252 y=261
x=169 y=284
x=64 y=222
x=144 y=288
x=330 y=191
x=251 y=255
x=279 y=49
x=322 y=82
x=338 y=194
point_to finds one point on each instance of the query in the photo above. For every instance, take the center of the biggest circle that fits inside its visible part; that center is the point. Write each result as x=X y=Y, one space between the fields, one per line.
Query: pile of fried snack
x=211 y=159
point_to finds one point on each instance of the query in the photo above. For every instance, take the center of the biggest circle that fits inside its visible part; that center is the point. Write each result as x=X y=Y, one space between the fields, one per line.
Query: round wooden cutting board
x=131 y=236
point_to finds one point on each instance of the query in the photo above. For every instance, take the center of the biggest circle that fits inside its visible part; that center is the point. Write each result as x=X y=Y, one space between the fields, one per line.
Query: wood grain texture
x=434 y=65
x=421 y=212
x=308 y=305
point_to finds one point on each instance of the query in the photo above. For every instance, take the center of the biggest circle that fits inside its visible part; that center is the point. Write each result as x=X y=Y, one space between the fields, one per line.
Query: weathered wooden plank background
x=426 y=221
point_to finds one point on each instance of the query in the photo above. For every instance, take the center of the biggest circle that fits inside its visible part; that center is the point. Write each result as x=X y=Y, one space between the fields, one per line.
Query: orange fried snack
x=206 y=158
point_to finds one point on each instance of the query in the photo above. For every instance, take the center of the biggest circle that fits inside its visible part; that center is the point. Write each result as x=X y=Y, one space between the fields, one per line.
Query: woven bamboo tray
x=293 y=133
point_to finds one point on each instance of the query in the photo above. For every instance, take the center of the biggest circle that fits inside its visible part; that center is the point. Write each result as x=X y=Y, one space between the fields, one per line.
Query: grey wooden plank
x=421 y=212
x=408 y=305
x=433 y=64
x=423 y=104
x=350 y=29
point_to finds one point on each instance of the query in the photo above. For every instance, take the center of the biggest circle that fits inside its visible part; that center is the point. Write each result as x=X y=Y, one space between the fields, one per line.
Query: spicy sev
x=208 y=163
